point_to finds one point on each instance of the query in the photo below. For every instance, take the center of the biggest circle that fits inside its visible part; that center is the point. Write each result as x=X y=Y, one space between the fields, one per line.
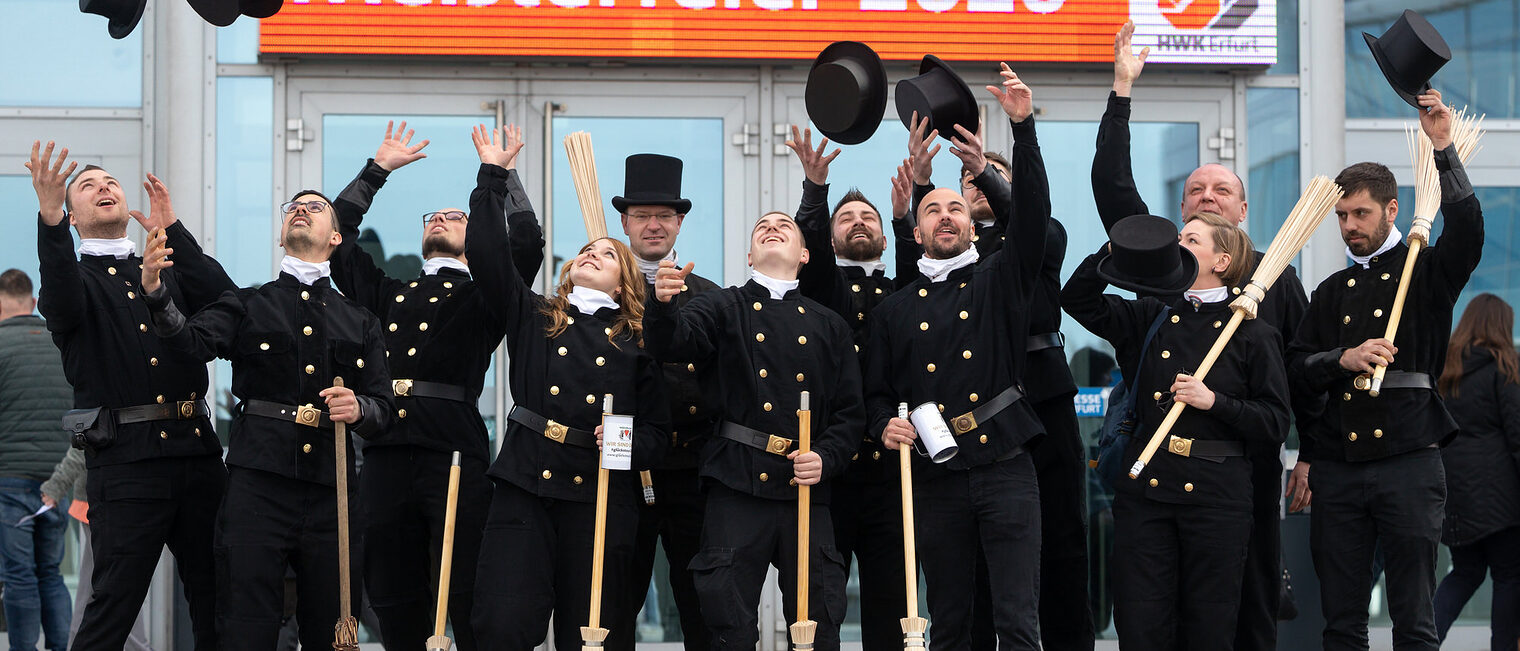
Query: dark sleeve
x=525 y=236
x=840 y=439
x=882 y=392
x=908 y=251
x=1024 y=251
x=651 y=428
x=353 y=270
x=1113 y=180
x=1462 y=233
x=999 y=193
x=492 y=263
x=1313 y=359
x=200 y=278
x=207 y=335
x=819 y=278
x=373 y=388
x=1262 y=414
x=60 y=295
x=1121 y=322
x=685 y=333
x=1308 y=405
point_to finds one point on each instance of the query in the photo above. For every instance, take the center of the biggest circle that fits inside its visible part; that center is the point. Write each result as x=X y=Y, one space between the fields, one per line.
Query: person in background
x=1481 y=386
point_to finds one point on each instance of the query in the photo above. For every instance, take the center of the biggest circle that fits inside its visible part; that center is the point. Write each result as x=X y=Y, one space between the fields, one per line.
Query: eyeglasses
x=313 y=206
x=447 y=215
x=663 y=218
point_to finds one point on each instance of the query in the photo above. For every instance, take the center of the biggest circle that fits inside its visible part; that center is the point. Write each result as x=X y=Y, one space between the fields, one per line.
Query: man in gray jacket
x=33 y=397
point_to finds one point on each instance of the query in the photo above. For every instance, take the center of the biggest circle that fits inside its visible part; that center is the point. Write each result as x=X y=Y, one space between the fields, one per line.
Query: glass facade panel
x=97 y=71
x=1484 y=36
x=238 y=42
x=245 y=230
x=20 y=252
x=1272 y=186
x=1287 y=39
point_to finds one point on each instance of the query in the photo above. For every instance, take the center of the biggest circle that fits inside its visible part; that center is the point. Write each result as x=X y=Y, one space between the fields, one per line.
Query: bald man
x=1217 y=189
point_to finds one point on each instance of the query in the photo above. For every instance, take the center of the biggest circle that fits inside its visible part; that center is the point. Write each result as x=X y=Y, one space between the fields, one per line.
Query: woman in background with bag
x=1481 y=386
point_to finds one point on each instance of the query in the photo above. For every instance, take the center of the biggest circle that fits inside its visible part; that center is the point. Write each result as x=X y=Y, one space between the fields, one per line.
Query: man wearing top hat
x=1214 y=188
x=948 y=339
x=439 y=336
x=652 y=211
x=1377 y=480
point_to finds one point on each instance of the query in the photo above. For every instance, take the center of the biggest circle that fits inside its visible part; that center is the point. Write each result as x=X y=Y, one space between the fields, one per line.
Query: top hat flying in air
x=939 y=94
x=652 y=180
x=1146 y=258
x=1409 y=53
x=847 y=92
x=124 y=15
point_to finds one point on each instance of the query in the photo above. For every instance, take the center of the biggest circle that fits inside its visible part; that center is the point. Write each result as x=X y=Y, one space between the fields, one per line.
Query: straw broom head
x=1466 y=132
x=587 y=191
x=1317 y=201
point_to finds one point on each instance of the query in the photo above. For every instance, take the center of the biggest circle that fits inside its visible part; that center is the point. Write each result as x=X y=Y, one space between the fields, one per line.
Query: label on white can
x=617 y=442
x=938 y=441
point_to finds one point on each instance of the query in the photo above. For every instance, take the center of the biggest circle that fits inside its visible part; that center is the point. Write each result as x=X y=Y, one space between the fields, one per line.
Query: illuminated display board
x=1214 y=32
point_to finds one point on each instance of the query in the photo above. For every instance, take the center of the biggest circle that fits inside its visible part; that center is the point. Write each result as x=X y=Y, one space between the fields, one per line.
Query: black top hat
x=1146 y=258
x=652 y=180
x=260 y=8
x=941 y=95
x=847 y=92
x=1409 y=53
x=123 y=15
x=217 y=12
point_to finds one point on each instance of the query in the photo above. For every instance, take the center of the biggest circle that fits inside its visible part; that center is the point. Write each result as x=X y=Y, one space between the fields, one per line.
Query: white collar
x=432 y=265
x=778 y=288
x=649 y=267
x=984 y=223
x=306 y=272
x=1210 y=295
x=871 y=266
x=938 y=270
x=121 y=248
x=589 y=300
x=1394 y=237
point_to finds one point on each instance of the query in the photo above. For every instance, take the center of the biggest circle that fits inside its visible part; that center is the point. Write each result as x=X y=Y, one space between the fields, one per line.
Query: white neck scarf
x=1394 y=237
x=938 y=270
x=120 y=248
x=589 y=300
x=306 y=272
x=778 y=288
x=984 y=223
x=650 y=267
x=1210 y=295
x=432 y=265
x=871 y=266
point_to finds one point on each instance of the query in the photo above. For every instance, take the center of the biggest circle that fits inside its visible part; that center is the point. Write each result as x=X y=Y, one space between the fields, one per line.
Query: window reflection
x=1484 y=36
x=32 y=31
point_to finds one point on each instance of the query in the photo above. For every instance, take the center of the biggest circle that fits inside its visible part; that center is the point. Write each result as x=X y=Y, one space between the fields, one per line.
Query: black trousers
x=674 y=521
x=868 y=525
x=269 y=523
x=994 y=507
x=742 y=535
x=1176 y=572
x=1397 y=504
x=135 y=510
x=537 y=563
x=403 y=494
x=1261 y=585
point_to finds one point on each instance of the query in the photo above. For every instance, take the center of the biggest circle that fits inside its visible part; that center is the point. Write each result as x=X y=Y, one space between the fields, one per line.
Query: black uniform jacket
x=437 y=327
x=1483 y=461
x=1249 y=382
x=1352 y=306
x=765 y=352
x=1113 y=183
x=564 y=378
x=960 y=341
x=287 y=341
x=99 y=321
x=693 y=406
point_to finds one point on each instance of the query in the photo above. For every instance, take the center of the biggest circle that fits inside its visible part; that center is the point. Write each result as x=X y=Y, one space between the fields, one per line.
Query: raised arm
x=904 y=216
x=1462 y=233
x=687 y=333
x=353 y=270
x=201 y=279
x=208 y=334
x=1117 y=320
x=1027 y=228
x=819 y=278
x=492 y=260
x=60 y=298
x=1113 y=179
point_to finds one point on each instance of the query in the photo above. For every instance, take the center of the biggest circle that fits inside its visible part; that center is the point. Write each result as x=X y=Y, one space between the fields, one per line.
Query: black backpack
x=1119 y=424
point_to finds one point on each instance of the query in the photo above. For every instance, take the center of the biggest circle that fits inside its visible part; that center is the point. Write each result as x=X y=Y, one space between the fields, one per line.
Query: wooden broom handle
x=804 y=511
x=1177 y=407
x=598 y=553
x=446 y=562
x=340 y=453
x=1397 y=313
x=910 y=543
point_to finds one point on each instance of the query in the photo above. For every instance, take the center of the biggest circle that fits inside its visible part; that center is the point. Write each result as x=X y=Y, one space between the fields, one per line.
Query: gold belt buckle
x=556 y=432
x=963 y=423
x=1362 y=382
x=186 y=409
x=777 y=445
x=1180 y=446
x=401 y=387
x=308 y=415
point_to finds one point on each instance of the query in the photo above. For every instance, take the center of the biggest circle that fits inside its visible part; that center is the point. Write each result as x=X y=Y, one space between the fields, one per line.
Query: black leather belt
x=301 y=415
x=424 y=389
x=969 y=420
x=1043 y=341
x=557 y=432
x=1208 y=450
x=1407 y=380
x=179 y=410
x=756 y=439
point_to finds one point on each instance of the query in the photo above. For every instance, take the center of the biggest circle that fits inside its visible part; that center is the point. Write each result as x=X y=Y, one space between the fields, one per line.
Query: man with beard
x=948 y=338
x=652 y=212
x=439 y=336
x=156 y=474
x=1065 y=612
x=766 y=344
x=867 y=502
x=1378 y=481
x=287 y=341
x=1216 y=189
